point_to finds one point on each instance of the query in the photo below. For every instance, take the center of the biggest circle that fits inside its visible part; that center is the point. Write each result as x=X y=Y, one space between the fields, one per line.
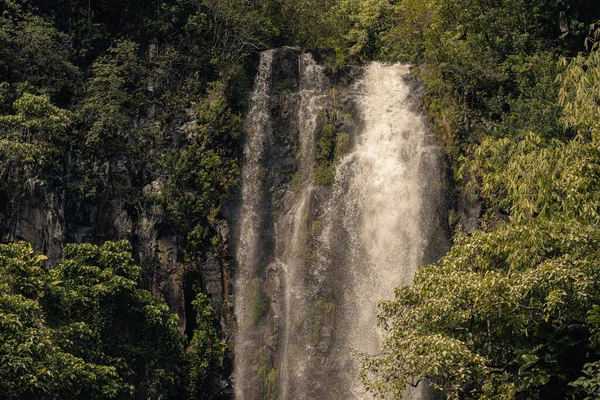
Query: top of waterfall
x=312 y=75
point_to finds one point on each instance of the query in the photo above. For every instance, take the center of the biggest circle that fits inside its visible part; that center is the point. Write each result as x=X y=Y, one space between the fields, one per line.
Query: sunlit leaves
x=580 y=88
x=205 y=353
x=485 y=307
x=84 y=329
x=33 y=363
x=530 y=177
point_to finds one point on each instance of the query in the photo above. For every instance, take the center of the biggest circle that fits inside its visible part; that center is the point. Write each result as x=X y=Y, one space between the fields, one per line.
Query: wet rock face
x=285 y=68
x=262 y=210
x=276 y=212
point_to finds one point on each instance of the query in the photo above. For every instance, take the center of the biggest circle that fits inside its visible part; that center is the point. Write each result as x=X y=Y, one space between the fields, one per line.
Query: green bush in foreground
x=86 y=330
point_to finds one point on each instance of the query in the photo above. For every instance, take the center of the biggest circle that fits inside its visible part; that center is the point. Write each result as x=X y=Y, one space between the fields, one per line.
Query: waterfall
x=379 y=223
x=258 y=129
x=313 y=85
x=322 y=256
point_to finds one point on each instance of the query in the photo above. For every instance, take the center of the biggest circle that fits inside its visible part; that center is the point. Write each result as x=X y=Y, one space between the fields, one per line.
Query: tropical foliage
x=85 y=329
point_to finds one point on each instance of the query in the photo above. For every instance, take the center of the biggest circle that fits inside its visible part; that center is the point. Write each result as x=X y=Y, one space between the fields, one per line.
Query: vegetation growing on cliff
x=134 y=105
x=141 y=102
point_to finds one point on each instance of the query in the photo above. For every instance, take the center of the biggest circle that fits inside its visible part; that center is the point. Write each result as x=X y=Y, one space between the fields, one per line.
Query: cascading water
x=258 y=128
x=313 y=259
x=270 y=266
x=313 y=85
x=381 y=221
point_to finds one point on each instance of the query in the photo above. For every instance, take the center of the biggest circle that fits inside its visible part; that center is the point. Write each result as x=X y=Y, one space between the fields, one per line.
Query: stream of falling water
x=377 y=223
x=313 y=86
x=380 y=220
x=258 y=128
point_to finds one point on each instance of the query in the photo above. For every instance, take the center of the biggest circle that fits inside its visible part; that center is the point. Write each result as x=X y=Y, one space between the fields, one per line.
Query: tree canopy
x=85 y=329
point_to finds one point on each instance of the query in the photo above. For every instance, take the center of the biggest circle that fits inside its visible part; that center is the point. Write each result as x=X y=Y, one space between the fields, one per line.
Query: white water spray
x=378 y=221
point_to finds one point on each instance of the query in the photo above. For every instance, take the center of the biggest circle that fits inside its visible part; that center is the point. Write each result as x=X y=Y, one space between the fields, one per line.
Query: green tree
x=32 y=50
x=112 y=99
x=33 y=362
x=502 y=316
x=84 y=329
x=105 y=317
x=580 y=85
x=34 y=141
x=205 y=353
x=200 y=175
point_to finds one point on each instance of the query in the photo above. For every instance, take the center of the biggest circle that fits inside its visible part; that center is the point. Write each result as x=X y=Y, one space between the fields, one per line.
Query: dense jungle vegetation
x=91 y=91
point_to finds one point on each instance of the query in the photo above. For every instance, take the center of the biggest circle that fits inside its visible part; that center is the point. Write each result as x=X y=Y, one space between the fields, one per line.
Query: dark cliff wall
x=49 y=219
